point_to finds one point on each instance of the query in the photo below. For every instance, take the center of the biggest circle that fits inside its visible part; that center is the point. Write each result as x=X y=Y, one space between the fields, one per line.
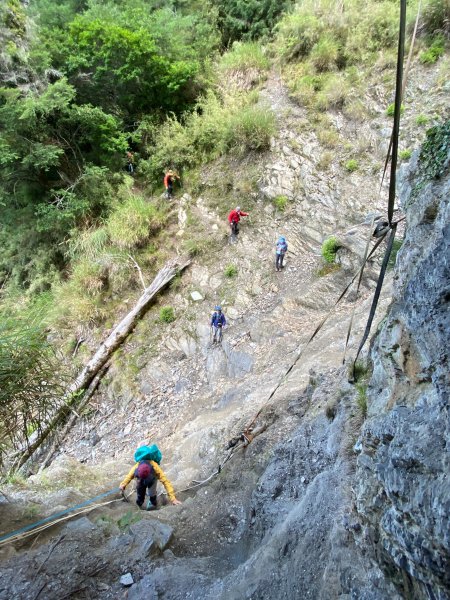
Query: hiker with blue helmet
x=147 y=472
x=218 y=322
x=281 y=250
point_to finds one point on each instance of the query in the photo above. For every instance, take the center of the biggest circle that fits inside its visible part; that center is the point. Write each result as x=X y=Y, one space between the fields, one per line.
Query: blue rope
x=57 y=515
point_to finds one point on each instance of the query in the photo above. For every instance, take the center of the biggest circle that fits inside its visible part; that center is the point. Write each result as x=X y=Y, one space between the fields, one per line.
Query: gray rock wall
x=402 y=479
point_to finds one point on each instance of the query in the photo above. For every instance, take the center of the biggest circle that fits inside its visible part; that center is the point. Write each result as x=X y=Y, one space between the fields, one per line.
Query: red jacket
x=235 y=217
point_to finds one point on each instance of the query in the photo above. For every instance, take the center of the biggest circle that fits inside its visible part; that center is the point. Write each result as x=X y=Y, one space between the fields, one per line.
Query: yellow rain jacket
x=159 y=474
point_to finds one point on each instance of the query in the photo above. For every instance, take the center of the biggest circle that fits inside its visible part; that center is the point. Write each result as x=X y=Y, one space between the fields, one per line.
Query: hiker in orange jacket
x=234 y=217
x=169 y=179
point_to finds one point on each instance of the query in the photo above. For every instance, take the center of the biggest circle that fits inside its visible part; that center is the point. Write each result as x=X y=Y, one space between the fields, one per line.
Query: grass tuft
x=230 y=271
x=327 y=269
x=132 y=223
x=280 y=202
x=351 y=165
x=405 y=154
x=391 y=109
x=361 y=398
x=166 y=314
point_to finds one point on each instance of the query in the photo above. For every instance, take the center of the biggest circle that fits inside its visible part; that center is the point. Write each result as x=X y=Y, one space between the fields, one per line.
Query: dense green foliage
x=249 y=19
x=30 y=381
x=65 y=134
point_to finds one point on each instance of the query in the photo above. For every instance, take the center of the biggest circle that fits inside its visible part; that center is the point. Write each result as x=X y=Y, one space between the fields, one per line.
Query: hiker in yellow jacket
x=147 y=472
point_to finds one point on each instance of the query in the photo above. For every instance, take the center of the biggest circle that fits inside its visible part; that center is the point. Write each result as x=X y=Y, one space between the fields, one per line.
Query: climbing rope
x=68 y=513
x=405 y=78
x=399 y=90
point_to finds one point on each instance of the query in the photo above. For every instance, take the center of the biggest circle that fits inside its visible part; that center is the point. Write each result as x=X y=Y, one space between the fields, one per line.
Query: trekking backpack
x=148 y=453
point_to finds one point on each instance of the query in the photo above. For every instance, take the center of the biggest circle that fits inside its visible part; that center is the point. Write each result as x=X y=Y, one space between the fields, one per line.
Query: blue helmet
x=281 y=238
x=217 y=308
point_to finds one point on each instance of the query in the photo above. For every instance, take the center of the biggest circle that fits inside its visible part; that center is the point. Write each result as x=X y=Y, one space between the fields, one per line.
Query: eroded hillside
x=333 y=498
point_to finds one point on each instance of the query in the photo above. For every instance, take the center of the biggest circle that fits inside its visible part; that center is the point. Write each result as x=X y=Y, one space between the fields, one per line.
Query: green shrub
x=239 y=19
x=434 y=153
x=88 y=277
x=334 y=92
x=391 y=110
x=351 y=165
x=280 y=202
x=89 y=243
x=31 y=381
x=215 y=128
x=132 y=222
x=166 y=314
x=361 y=398
x=329 y=249
x=324 y=55
x=231 y=271
x=331 y=409
x=371 y=28
x=251 y=129
x=421 y=120
x=405 y=154
x=434 y=52
x=198 y=245
x=297 y=33
x=361 y=371
x=244 y=56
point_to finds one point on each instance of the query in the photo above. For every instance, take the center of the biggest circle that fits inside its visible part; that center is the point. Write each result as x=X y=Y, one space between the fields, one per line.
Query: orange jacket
x=168 y=177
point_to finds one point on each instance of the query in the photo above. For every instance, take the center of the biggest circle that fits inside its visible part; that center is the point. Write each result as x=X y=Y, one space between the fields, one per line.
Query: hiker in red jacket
x=233 y=219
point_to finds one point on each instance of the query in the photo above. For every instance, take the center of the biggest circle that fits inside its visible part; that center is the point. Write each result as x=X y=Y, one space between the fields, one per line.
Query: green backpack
x=148 y=453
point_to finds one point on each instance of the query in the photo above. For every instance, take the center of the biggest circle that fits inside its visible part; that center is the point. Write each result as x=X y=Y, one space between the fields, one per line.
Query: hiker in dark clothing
x=218 y=322
x=281 y=250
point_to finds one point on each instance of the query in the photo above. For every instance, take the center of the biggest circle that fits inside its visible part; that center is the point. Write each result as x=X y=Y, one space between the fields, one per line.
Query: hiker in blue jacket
x=218 y=322
x=281 y=250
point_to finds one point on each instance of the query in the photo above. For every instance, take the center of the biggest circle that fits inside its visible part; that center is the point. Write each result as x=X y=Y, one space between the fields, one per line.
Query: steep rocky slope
x=403 y=490
x=295 y=515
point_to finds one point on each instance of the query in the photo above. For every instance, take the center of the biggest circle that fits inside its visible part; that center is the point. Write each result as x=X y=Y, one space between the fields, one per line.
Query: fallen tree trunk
x=90 y=391
x=104 y=352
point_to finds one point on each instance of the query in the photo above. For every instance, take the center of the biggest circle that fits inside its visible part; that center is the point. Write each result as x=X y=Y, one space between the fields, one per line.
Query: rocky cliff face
x=403 y=486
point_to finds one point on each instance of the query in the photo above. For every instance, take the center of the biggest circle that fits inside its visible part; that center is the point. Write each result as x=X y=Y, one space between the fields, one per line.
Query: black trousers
x=141 y=488
x=279 y=261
